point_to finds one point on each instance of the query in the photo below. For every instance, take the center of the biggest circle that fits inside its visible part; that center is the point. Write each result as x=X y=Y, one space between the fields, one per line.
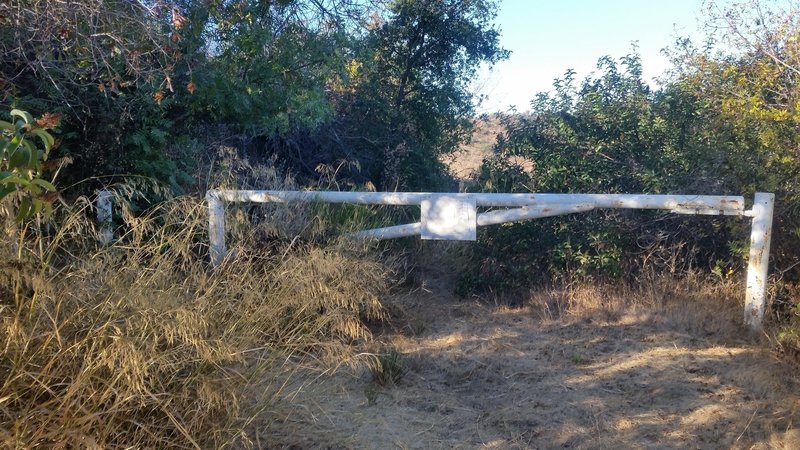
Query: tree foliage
x=377 y=87
x=609 y=134
x=406 y=93
x=724 y=122
x=22 y=159
x=752 y=112
x=104 y=66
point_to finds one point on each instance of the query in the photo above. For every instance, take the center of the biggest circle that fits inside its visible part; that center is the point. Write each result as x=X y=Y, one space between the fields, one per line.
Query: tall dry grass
x=702 y=304
x=140 y=344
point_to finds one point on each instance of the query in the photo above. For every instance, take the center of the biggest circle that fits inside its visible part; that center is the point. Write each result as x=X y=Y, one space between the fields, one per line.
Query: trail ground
x=588 y=368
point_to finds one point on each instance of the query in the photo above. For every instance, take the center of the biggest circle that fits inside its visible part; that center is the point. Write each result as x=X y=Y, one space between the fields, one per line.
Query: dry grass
x=682 y=299
x=665 y=363
x=141 y=344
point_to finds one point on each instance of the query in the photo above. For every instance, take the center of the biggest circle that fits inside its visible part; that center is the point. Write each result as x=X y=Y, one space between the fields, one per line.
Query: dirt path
x=482 y=376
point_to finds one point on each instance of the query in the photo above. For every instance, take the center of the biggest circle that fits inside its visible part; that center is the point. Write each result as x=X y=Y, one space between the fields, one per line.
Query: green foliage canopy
x=379 y=87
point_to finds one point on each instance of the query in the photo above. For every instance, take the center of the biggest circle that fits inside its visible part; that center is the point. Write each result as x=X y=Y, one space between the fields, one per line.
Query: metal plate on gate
x=449 y=217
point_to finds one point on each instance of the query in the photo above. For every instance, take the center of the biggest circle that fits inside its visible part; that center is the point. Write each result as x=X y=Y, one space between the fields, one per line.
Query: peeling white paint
x=758 y=265
x=104 y=217
x=453 y=216
x=448 y=217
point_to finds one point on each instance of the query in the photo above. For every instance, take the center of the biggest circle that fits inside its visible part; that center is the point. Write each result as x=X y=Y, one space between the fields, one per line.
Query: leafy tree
x=105 y=67
x=108 y=45
x=263 y=66
x=604 y=137
x=404 y=98
x=21 y=160
x=611 y=134
x=749 y=103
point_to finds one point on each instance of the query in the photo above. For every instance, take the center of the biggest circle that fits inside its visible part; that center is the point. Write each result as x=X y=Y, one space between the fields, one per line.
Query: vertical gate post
x=758 y=265
x=104 y=217
x=216 y=227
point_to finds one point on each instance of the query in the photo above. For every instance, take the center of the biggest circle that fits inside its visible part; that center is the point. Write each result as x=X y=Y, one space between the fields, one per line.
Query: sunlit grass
x=141 y=344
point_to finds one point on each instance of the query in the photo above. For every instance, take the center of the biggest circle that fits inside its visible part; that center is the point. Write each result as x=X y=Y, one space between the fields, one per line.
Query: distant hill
x=464 y=162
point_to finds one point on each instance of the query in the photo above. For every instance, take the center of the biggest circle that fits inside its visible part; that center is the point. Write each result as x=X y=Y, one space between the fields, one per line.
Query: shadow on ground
x=483 y=376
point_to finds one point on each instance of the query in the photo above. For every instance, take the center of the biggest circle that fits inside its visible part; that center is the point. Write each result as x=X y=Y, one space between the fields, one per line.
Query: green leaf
x=46 y=138
x=16 y=141
x=8 y=126
x=24 y=115
x=32 y=153
x=5 y=190
x=24 y=209
x=45 y=184
x=14 y=179
x=19 y=159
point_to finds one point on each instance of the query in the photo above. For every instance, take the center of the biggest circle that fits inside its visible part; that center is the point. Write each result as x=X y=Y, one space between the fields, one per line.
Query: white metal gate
x=454 y=217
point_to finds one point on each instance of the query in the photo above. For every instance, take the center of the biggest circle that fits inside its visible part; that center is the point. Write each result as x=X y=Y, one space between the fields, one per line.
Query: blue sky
x=547 y=37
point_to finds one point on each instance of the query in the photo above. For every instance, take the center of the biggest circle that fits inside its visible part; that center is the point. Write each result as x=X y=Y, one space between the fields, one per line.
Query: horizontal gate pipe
x=511 y=215
x=487 y=218
x=530 y=206
x=705 y=204
x=393 y=232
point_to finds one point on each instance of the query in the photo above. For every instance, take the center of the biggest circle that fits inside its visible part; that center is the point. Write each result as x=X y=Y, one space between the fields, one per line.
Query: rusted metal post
x=103 y=204
x=216 y=227
x=758 y=266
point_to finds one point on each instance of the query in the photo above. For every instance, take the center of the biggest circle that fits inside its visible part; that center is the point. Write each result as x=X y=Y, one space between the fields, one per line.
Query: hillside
x=467 y=159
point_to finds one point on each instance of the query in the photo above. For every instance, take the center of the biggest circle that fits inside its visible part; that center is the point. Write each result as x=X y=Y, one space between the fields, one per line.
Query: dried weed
x=141 y=344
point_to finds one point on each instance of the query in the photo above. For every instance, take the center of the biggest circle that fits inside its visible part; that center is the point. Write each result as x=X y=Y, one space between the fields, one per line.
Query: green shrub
x=387 y=367
x=21 y=160
x=610 y=134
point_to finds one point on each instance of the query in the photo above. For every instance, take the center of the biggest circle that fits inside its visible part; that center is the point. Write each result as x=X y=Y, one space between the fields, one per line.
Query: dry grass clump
x=703 y=304
x=141 y=344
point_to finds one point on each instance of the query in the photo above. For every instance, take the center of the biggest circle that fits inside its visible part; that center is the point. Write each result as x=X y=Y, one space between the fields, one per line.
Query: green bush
x=610 y=135
x=21 y=171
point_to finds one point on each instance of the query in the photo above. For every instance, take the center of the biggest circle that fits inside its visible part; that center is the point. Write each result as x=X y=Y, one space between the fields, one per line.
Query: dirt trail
x=483 y=376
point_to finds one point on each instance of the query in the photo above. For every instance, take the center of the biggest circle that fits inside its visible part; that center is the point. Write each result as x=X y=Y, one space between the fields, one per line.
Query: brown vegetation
x=666 y=364
x=142 y=345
